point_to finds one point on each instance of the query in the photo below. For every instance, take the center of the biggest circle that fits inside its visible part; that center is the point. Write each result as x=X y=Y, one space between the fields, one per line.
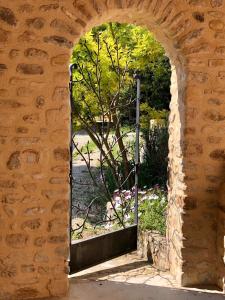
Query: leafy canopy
x=106 y=58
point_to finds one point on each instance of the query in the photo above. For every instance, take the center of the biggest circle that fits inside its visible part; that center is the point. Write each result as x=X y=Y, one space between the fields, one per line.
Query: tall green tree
x=105 y=60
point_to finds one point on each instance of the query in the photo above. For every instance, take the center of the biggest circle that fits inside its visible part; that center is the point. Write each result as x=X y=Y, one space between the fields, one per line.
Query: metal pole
x=71 y=151
x=137 y=145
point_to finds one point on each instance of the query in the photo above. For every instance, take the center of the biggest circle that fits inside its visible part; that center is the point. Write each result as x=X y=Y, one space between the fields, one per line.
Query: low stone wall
x=153 y=246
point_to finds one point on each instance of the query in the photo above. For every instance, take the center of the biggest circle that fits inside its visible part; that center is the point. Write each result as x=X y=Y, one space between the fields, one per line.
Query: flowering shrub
x=151 y=211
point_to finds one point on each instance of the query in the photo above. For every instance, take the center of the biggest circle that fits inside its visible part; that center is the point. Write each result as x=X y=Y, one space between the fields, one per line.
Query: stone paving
x=132 y=278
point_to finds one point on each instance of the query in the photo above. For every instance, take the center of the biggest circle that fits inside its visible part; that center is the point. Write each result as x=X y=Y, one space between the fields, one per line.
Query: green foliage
x=149 y=113
x=106 y=52
x=153 y=212
x=106 y=59
x=89 y=147
x=152 y=208
x=153 y=169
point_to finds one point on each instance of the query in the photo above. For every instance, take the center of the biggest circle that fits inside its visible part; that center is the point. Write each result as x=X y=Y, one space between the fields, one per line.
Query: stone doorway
x=36 y=40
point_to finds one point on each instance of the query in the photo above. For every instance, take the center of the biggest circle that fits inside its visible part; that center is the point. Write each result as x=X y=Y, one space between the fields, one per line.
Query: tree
x=105 y=60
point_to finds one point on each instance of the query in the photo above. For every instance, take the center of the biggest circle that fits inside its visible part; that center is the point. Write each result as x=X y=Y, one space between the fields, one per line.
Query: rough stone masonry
x=36 y=40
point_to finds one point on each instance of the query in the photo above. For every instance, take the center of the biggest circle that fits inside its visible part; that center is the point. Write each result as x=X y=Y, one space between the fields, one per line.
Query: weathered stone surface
x=63 y=26
x=14 y=161
x=190 y=203
x=30 y=187
x=201 y=3
x=193 y=148
x=52 y=116
x=61 y=94
x=202 y=48
x=30 y=199
x=57 y=239
x=10 y=103
x=83 y=9
x=58 y=180
x=43 y=270
x=216 y=62
x=40 y=37
x=41 y=257
x=26 y=293
x=31 y=156
x=59 y=41
x=39 y=241
x=4 y=36
x=7 y=184
x=213 y=178
x=25 y=141
x=30 y=69
x=215 y=101
x=200 y=17
x=214 y=139
x=60 y=169
x=57 y=225
x=3 y=68
x=9 y=211
x=4 y=92
x=62 y=252
x=189 y=38
x=35 y=53
x=220 y=50
x=7 y=269
x=216 y=25
x=218 y=155
x=214 y=116
x=26 y=8
x=24 y=92
x=22 y=130
x=27 y=37
x=59 y=60
x=52 y=194
x=153 y=246
x=198 y=77
x=58 y=287
x=40 y=101
x=27 y=268
x=31 y=119
x=32 y=211
x=36 y=23
x=17 y=241
x=49 y=7
x=216 y=3
x=31 y=224
x=216 y=14
x=59 y=207
x=10 y=198
x=61 y=154
x=7 y=16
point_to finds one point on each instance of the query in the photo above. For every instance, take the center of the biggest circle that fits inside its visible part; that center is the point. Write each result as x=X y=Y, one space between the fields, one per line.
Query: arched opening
x=36 y=41
x=119 y=158
x=177 y=113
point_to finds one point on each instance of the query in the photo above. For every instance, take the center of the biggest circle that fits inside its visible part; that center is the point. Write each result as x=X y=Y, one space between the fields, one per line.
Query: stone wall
x=153 y=247
x=36 y=40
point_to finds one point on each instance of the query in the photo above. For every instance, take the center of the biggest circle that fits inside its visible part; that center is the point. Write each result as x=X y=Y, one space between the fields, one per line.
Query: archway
x=35 y=46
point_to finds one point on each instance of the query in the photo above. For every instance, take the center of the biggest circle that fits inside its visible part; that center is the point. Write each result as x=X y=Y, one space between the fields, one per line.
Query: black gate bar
x=90 y=252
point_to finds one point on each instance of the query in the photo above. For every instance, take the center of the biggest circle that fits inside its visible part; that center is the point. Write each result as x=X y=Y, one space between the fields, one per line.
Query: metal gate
x=89 y=251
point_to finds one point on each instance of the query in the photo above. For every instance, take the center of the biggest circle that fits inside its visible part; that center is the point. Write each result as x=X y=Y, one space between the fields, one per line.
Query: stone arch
x=36 y=38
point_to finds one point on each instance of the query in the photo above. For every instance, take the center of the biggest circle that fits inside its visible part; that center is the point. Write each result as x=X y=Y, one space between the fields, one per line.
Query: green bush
x=153 y=169
x=152 y=212
x=152 y=208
